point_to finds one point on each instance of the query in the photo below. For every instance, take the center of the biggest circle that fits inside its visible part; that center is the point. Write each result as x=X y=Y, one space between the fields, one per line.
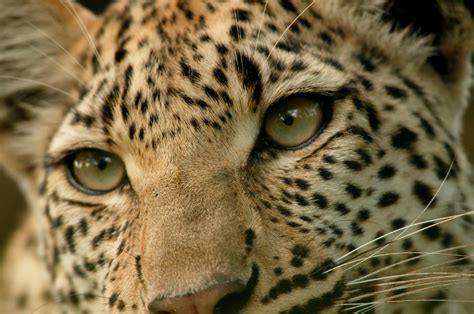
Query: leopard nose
x=202 y=302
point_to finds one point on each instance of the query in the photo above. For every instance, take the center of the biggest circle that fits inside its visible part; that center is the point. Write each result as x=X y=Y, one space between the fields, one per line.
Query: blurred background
x=12 y=205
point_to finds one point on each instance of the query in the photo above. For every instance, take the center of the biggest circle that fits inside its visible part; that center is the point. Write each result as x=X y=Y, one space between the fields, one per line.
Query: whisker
x=70 y=7
x=403 y=230
x=406 y=286
x=56 y=299
x=59 y=45
x=408 y=252
x=288 y=28
x=442 y=219
x=432 y=199
x=9 y=77
x=67 y=71
x=420 y=287
x=261 y=25
x=400 y=263
x=410 y=275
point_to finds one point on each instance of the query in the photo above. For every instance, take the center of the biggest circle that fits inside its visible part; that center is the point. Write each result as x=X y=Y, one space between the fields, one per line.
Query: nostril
x=202 y=302
x=236 y=301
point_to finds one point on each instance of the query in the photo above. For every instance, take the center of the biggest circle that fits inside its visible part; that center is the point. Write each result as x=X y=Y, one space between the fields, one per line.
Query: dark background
x=12 y=204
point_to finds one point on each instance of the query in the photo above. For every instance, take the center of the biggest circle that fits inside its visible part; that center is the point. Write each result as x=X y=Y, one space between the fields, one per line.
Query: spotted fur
x=375 y=214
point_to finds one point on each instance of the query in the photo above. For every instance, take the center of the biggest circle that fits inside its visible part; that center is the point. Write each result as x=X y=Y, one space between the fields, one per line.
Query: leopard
x=238 y=156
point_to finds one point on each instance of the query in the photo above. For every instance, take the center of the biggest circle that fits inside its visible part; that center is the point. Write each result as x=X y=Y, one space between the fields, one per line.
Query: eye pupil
x=288 y=119
x=102 y=164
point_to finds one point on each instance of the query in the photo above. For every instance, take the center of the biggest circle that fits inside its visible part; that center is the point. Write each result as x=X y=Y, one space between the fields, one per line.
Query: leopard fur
x=375 y=214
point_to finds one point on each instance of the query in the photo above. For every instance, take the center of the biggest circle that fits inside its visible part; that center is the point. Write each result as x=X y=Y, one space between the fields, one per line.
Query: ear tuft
x=448 y=22
x=38 y=74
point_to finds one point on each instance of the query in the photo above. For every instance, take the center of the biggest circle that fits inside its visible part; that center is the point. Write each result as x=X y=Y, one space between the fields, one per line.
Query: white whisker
x=440 y=220
x=67 y=71
x=9 y=77
x=261 y=24
x=59 y=46
x=288 y=27
x=405 y=228
x=70 y=7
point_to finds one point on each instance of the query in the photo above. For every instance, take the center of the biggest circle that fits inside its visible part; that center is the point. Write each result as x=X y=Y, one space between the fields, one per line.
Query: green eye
x=95 y=171
x=294 y=121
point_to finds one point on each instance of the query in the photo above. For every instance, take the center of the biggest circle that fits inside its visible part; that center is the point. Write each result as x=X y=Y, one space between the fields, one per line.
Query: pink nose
x=202 y=302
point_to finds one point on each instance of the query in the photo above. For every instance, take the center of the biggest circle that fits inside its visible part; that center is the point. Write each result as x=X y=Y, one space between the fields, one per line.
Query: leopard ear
x=449 y=24
x=39 y=75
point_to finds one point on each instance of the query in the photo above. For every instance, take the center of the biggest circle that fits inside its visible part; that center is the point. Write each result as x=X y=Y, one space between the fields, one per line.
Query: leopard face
x=214 y=189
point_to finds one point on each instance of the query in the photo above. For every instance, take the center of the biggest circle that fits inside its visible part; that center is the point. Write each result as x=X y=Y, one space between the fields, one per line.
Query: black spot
x=302 y=184
x=423 y=192
x=353 y=190
x=288 y=5
x=356 y=229
x=407 y=244
x=300 y=251
x=353 y=165
x=211 y=92
x=289 y=46
x=201 y=103
x=361 y=133
x=113 y=299
x=363 y=215
x=241 y=15
x=366 y=62
x=296 y=262
x=320 y=273
x=220 y=76
x=329 y=159
x=395 y=92
x=388 y=199
x=131 y=131
x=442 y=169
x=250 y=74
x=320 y=200
x=432 y=231
x=249 y=237
x=427 y=127
x=124 y=111
x=404 y=138
x=372 y=116
x=298 y=66
x=325 y=174
x=301 y=200
x=398 y=223
x=380 y=239
x=120 y=55
x=300 y=281
x=189 y=72
x=342 y=209
x=284 y=211
x=107 y=113
x=386 y=172
x=326 y=38
x=322 y=303
x=69 y=237
x=121 y=305
x=236 y=32
x=418 y=161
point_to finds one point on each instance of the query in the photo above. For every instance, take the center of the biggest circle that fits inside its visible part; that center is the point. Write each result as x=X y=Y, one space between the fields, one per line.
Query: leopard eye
x=294 y=121
x=95 y=171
